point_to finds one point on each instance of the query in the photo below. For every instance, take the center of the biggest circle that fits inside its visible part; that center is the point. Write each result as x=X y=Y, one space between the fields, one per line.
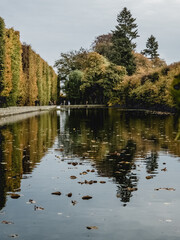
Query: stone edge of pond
x=9 y=111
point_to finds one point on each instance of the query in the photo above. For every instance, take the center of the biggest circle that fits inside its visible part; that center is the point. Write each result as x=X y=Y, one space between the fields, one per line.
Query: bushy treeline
x=25 y=78
x=88 y=77
x=111 y=72
x=153 y=88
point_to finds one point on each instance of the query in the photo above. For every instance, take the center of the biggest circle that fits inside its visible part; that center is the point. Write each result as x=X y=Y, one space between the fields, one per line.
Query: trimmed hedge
x=25 y=78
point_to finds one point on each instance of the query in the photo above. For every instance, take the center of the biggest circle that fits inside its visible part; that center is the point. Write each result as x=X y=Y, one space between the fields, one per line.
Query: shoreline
x=10 y=111
x=148 y=111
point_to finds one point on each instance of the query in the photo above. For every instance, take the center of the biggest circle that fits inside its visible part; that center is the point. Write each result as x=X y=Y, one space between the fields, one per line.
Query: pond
x=90 y=174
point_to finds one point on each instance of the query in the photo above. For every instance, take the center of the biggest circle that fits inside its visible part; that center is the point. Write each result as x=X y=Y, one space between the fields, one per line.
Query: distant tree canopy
x=100 y=79
x=113 y=73
x=25 y=78
x=151 y=48
x=103 y=44
x=93 y=80
x=69 y=62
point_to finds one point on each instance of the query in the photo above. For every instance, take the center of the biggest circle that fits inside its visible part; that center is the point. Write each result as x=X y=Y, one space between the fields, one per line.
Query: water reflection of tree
x=152 y=162
x=96 y=133
x=121 y=171
x=2 y=175
x=22 y=145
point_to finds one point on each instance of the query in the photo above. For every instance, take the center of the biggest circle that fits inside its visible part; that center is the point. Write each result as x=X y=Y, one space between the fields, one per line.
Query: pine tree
x=151 y=48
x=122 y=41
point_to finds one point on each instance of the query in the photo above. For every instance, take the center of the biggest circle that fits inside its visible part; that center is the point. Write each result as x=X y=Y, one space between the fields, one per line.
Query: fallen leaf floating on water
x=38 y=208
x=32 y=201
x=7 y=222
x=83 y=173
x=15 y=196
x=92 y=227
x=74 y=163
x=74 y=202
x=14 y=235
x=102 y=182
x=59 y=149
x=69 y=195
x=168 y=189
x=73 y=177
x=88 y=182
x=164 y=169
x=149 y=177
x=86 y=197
x=56 y=193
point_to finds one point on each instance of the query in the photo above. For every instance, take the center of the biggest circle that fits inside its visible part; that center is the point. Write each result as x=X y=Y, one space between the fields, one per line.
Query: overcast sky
x=55 y=26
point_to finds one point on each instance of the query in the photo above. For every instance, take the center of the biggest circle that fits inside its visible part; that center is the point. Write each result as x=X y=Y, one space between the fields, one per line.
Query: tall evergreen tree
x=151 y=48
x=122 y=41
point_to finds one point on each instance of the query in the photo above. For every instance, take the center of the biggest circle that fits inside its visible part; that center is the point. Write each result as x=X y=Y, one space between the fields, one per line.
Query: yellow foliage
x=27 y=79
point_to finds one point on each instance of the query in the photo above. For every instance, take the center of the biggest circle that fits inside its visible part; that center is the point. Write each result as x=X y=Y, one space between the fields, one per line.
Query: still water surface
x=128 y=162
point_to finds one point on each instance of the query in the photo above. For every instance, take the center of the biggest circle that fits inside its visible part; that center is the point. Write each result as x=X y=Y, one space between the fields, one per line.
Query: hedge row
x=25 y=78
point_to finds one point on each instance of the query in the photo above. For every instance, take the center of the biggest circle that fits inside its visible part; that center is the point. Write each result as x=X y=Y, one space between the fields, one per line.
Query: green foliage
x=25 y=78
x=2 y=53
x=122 y=41
x=154 y=91
x=69 y=62
x=100 y=79
x=103 y=44
x=40 y=80
x=151 y=48
x=165 y=71
x=72 y=86
x=151 y=77
x=127 y=27
x=175 y=90
x=16 y=65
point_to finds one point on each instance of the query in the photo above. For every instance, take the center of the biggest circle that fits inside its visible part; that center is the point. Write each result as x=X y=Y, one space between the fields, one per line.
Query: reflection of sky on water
x=121 y=148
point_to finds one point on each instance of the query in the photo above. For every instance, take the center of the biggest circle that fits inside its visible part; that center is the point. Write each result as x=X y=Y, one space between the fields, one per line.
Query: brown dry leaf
x=14 y=235
x=74 y=202
x=15 y=196
x=164 y=169
x=83 y=173
x=73 y=177
x=168 y=189
x=149 y=177
x=102 y=182
x=69 y=195
x=86 y=197
x=7 y=222
x=92 y=227
x=38 y=208
x=56 y=193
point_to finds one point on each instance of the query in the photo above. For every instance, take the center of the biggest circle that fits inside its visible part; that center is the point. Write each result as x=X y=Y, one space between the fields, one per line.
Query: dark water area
x=114 y=175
